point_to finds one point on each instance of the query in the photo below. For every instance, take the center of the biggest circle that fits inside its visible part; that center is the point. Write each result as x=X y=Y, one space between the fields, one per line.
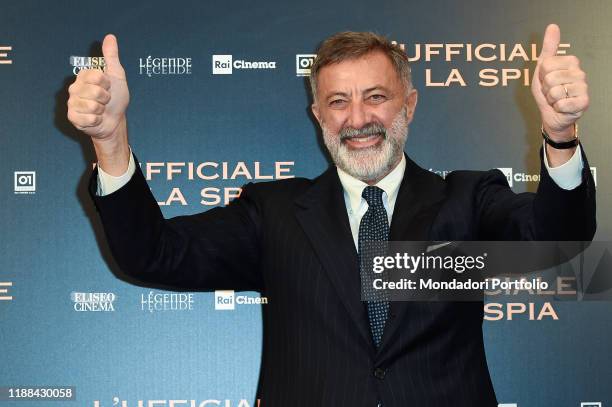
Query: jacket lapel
x=322 y=213
x=419 y=198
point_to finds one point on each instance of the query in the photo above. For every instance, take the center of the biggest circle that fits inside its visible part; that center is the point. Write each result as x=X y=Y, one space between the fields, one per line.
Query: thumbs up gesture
x=559 y=88
x=98 y=100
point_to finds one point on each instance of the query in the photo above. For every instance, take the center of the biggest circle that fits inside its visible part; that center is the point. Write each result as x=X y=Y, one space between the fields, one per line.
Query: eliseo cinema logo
x=97 y=302
x=225 y=64
x=80 y=63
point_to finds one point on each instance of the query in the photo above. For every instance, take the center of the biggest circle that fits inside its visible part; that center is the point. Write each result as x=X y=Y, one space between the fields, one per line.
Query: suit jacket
x=290 y=240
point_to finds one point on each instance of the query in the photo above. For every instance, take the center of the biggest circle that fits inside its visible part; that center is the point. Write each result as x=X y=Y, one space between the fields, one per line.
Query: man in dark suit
x=299 y=241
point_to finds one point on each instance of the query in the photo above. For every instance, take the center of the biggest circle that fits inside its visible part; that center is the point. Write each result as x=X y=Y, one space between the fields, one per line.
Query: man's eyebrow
x=370 y=89
x=337 y=93
x=376 y=87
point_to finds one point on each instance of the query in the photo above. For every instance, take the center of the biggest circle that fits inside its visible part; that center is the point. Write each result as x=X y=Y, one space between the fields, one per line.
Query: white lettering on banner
x=4 y=291
x=224 y=64
x=165 y=66
x=4 y=55
x=80 y=63
x=240 y=64
x=303 y=63
x=25 y=182
x=166 y=301
x=212 y=171
x=97 y=302
x=227 y=300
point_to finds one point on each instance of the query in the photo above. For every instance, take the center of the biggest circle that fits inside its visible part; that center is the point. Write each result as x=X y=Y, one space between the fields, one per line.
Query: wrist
x=562 y=144
x=113 y=152
x=561 y=135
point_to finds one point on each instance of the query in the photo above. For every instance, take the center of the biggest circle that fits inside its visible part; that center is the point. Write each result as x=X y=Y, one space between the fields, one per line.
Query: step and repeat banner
x=219 y=98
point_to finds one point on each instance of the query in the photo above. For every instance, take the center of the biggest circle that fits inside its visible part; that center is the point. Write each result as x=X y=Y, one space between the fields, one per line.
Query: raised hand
x=559 y=88
x=98 y=100
x=97 y=104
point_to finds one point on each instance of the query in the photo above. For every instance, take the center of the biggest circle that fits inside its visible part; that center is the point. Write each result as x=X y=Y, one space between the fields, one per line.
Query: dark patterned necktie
x=373 y=237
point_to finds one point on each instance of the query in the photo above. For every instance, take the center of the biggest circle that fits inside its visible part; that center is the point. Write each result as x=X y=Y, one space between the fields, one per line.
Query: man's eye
x=336 y=102
x=377 y=98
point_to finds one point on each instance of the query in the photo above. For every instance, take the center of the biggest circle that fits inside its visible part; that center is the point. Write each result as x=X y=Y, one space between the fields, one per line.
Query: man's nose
x=357 y=115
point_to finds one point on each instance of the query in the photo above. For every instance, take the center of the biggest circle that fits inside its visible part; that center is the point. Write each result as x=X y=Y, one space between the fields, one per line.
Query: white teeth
x=364 y=139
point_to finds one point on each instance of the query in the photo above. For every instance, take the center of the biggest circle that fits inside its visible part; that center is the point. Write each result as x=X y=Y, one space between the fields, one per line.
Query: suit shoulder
x=283 y=188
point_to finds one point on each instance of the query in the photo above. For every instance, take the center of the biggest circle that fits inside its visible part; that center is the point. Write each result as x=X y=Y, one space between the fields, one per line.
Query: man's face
x=364 y=112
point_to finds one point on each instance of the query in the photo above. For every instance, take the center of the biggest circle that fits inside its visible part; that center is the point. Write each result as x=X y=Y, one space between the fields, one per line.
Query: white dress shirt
x=567 y=176
x=356 y=205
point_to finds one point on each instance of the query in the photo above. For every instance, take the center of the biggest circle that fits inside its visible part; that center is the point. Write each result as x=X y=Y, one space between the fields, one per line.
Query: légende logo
x=303 y=63
x=97 y=302
x=80 y=63
x=4 y=56
x=226 y=300
x=165 y=66
x=166 y=301
x=225 y=64
x=25 y=182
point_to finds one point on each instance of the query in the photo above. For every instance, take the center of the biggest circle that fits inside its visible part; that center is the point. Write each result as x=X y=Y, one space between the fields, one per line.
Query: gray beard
x=370 y=163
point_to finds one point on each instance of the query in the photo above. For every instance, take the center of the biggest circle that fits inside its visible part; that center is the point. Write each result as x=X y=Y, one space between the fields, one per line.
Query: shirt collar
x=353 y=187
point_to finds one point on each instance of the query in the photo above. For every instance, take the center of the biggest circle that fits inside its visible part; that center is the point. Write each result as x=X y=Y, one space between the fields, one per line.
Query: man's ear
x=411 y=102
x=315 y=110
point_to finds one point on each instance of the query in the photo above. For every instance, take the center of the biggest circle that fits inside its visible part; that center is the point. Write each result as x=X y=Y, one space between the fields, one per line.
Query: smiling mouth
x=363 y=141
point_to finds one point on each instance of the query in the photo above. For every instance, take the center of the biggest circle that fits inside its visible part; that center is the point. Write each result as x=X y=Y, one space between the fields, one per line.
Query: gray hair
x=351 y=45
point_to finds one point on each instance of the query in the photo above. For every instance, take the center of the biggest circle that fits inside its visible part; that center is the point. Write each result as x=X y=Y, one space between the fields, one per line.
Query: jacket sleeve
x=551 y=214
x=216 y=249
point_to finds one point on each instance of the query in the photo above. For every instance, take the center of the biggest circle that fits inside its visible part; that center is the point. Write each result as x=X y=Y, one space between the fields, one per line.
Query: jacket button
x=379 y=373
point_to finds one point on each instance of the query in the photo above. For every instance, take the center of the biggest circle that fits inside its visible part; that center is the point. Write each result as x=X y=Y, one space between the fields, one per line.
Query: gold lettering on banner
x=505 y=56
x=517 y=310
x=453 y=77
x=4 y=55
x=5 y=291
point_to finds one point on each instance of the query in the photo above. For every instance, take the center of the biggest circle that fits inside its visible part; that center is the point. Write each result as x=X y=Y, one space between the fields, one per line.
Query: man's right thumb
x=110 y=51
x=550 y=44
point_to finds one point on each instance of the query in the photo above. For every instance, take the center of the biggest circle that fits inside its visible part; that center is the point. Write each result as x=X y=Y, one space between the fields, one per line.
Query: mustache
x=369 y=129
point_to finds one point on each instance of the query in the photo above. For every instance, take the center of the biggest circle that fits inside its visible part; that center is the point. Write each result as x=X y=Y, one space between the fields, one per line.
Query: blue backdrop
x=53 y=249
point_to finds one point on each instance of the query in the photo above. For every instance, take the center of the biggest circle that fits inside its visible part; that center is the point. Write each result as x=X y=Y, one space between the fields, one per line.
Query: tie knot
x=373 y=196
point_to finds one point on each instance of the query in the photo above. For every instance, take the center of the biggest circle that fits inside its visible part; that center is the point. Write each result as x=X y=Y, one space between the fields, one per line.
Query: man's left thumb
x=552 y=37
